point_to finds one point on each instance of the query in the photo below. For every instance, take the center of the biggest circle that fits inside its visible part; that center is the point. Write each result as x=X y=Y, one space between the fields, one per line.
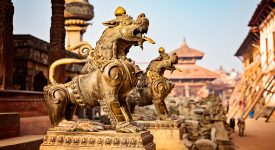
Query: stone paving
x=258 y=135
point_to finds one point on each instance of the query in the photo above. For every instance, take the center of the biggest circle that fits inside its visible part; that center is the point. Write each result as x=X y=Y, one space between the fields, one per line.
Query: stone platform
x=37 y=125
x=167 y=134
x=98 y=140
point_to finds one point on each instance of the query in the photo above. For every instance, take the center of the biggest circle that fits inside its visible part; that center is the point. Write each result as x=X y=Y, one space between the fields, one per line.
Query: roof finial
x=184 y=44
x=161 y=50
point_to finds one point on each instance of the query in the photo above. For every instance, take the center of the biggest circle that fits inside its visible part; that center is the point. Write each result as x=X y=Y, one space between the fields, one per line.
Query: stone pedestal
x=110 y=140
x=167 y=134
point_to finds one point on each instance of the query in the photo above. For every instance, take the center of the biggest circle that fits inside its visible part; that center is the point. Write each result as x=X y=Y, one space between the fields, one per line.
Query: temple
x=191 y=78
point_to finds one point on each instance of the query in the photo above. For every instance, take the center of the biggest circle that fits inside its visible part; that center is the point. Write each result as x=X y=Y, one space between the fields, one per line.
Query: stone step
x=9 y=125
x=34 y=125
x=28 y=142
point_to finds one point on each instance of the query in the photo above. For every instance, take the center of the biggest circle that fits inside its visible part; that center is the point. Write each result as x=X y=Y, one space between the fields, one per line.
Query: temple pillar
x=57 y=38
x=6 y=44
x=186 y=90
x=77 y=13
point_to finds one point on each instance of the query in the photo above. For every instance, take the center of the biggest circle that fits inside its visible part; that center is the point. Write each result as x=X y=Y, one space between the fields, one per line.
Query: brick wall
x=26 y=103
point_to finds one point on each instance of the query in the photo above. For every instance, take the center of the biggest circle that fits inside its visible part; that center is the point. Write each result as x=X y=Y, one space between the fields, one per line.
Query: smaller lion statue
x=153 y=87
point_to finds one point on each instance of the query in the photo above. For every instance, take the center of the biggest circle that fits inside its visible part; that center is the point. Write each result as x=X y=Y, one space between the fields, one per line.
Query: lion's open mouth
x=140 y=31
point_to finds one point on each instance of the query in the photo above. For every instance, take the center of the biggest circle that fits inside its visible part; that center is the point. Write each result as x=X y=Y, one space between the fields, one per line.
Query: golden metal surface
x=119 y=11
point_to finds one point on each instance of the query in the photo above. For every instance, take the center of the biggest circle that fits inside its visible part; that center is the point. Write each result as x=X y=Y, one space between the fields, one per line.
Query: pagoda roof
x=191 y=71
x=186 y=52
x=251 y=38
x=264 y=8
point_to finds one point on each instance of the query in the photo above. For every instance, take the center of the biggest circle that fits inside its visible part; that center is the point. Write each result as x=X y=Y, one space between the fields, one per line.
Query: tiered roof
x=186 y=52
x=189 y=70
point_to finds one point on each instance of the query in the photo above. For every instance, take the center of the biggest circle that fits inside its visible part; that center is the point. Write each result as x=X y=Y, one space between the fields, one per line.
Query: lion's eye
x=127 y=23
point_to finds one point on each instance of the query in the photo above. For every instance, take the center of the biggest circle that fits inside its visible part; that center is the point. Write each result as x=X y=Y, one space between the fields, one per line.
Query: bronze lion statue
x=106 y=78
x=153 y=86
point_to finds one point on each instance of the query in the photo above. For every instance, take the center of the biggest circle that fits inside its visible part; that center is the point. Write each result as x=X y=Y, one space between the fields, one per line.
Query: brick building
x=30 y=70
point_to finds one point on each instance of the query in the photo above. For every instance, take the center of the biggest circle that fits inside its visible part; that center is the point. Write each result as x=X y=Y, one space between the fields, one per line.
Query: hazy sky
x=216 y=27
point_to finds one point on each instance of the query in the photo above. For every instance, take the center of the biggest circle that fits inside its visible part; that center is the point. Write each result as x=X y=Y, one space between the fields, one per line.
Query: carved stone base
x=167 y=134
x=110 y=140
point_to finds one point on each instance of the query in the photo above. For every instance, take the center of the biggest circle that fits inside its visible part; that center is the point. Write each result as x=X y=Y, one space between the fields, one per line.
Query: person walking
x=232 y=124
x=241 y=125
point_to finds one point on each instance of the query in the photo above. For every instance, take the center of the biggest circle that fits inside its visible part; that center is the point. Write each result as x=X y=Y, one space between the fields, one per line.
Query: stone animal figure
x=105 y=80
x=153 y=86
x=241 y=125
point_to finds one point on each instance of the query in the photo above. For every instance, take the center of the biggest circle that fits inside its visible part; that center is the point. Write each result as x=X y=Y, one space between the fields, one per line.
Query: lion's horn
x=149 y=40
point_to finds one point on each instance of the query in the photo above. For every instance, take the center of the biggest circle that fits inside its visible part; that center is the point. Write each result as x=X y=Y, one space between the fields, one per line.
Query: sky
x=215 y=27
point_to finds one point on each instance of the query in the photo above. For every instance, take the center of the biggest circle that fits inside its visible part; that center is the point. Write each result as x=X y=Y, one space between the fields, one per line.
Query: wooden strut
x=235 y=95
x=272 y=79
x=243 y=87
x=259 y=95
x=243 y=95
x=268 y=117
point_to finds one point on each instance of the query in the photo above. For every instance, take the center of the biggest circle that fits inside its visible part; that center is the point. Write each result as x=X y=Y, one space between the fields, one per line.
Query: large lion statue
x=153 y=86
x=106 y=78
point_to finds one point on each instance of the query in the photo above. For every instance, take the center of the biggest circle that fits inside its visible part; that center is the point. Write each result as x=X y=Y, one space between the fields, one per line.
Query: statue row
x=111 y=80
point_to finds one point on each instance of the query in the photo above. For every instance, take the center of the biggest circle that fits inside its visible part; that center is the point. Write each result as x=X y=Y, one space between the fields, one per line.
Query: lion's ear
x=111 y=23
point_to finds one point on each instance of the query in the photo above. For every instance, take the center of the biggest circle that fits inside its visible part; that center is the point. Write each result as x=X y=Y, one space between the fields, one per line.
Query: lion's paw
x=166 y=118
x=88 y=126
x=129 y=127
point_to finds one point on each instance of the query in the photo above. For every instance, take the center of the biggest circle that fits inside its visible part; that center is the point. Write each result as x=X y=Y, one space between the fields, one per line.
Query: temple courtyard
x=62 y=90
